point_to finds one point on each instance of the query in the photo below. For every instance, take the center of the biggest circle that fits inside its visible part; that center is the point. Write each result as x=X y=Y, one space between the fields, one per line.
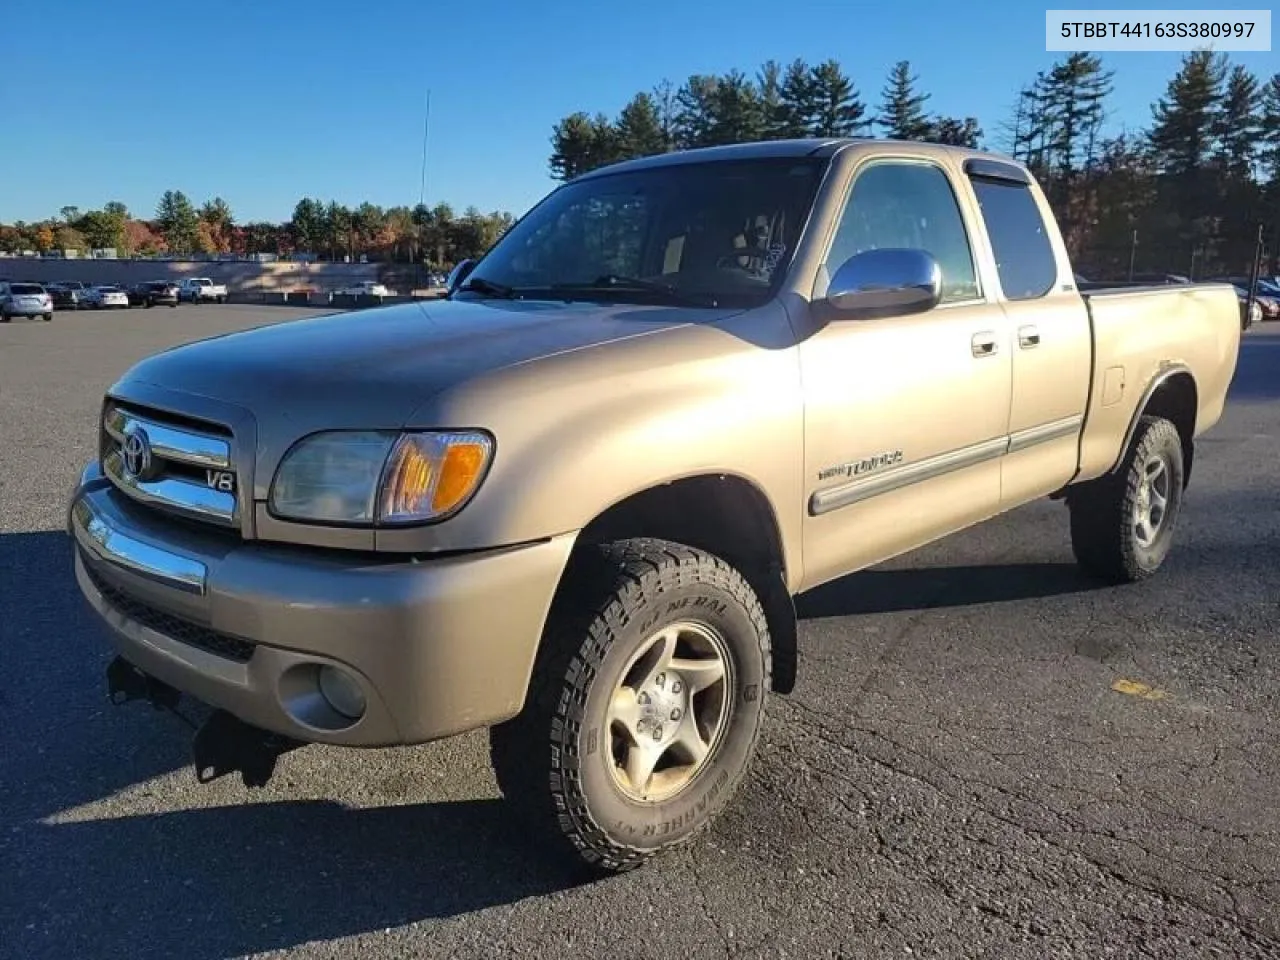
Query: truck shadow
x=212 y=882
x=927 y=588
x=235 y=880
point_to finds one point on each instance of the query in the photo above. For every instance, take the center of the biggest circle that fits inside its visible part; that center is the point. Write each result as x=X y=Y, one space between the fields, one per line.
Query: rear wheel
x=48 y=317
x=1122 y=524
x=645 y=705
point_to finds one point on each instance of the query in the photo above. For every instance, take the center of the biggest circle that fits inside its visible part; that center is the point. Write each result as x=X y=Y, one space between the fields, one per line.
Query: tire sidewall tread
x=613 y=599
x=1102 y=534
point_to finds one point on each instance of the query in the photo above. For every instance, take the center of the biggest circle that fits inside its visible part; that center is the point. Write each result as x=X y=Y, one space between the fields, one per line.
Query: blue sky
x=263 y=102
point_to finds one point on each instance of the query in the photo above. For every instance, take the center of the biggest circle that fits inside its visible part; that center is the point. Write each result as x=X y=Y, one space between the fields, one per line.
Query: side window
x=908 y=205
x=1024 y=256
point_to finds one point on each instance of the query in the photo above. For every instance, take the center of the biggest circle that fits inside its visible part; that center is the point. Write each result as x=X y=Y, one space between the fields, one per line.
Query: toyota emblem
x=135 y=452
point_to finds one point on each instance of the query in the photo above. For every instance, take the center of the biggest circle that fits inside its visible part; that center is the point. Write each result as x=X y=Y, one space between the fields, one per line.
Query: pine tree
x=956 y=132
x=1238 y=125
x=1186 y=116
x=581 y=143
x=1073 y=93
x=639 y=129
x=839 y=111
x=737 y=113
x=695 y=111
x=1269 y=133
x=797 y=101
x=769 y=83
x=902 y=115
x=1182 y=146
x=178 y=222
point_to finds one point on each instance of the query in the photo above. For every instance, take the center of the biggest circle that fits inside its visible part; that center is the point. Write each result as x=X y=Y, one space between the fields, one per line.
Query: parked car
x=106 y=297
x=198 y=289
x=64 y=296
x=624 y=451
x=24 y=300
x=154 y=293
x=1268 y=302
x=365 y=288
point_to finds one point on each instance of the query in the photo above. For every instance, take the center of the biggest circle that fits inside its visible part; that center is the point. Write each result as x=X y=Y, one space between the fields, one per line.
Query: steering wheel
x=729 y=261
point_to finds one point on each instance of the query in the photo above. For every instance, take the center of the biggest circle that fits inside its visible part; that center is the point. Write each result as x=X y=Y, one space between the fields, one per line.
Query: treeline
x=434 y=236
x=1187 y=194
x=778 y=103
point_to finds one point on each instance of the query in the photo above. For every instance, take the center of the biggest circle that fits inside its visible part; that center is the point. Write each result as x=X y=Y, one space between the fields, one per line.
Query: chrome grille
x=171 y=465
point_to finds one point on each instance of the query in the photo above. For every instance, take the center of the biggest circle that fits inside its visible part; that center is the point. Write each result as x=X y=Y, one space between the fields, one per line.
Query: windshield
x=710 y=234
x=26 y=288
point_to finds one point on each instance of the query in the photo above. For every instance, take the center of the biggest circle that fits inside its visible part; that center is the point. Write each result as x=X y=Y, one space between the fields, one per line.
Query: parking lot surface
x=956 y=774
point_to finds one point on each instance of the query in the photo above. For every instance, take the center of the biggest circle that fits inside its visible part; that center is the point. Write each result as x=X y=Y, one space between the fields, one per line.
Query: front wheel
x=48 y=317
x=1122 y=524
x=645 y=705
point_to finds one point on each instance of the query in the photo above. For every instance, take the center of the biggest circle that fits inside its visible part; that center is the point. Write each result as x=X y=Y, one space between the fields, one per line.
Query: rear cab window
x=1025 y=261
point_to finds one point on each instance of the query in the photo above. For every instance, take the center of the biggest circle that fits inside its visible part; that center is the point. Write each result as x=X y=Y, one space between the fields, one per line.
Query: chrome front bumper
x=437 y=647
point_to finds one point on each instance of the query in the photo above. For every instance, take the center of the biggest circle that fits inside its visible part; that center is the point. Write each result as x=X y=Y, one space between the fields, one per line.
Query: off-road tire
x=1103 y=536
x=553 y=760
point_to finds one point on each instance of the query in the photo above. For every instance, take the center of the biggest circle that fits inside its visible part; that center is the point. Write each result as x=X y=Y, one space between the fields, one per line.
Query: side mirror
x=886 y=283
x=458 y=274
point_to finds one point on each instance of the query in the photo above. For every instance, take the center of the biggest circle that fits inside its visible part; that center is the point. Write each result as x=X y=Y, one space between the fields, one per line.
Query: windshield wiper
x=614 y=281
x=488 y=287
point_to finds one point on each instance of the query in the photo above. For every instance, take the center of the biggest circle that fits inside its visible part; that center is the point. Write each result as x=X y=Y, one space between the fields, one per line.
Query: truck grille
x=170 y=464
x=176 y=628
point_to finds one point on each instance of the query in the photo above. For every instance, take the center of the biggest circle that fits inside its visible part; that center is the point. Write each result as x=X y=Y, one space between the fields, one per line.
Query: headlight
x=380 y=477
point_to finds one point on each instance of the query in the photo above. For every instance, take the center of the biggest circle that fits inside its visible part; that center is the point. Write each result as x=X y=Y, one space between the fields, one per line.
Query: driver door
x=906 y=417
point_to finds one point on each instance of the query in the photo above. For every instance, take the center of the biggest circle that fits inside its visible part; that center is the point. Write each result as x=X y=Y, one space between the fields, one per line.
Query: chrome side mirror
x=886 y=283
x=458 y=274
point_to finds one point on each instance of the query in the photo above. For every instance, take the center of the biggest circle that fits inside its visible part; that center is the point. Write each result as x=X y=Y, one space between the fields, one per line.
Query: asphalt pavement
x=986 y=755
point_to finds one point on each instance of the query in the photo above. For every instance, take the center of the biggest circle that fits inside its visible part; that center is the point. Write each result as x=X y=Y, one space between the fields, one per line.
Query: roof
x=822 y=147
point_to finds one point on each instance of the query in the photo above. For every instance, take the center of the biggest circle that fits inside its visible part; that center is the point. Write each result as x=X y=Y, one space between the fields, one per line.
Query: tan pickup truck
x=573 y=501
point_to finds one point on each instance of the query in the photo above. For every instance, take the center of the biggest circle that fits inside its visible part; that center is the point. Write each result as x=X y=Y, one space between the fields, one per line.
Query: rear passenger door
x=906 y=417
x=1052 y=341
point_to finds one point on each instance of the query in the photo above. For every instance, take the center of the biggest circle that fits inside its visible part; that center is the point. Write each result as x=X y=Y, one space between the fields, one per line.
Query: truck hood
x=373 y=368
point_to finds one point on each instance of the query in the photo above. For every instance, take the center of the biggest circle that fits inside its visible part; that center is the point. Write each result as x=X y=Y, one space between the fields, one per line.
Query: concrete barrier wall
x=243 y=278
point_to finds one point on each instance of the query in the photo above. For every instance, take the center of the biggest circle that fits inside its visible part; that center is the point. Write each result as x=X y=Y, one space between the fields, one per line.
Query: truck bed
x=1144 y=334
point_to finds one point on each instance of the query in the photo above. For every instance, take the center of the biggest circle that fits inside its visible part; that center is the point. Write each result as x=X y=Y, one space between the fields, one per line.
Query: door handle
x=1028 y=337
x=984 y=344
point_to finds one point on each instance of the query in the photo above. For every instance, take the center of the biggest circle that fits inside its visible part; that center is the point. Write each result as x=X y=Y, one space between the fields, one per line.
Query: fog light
x=342 y=691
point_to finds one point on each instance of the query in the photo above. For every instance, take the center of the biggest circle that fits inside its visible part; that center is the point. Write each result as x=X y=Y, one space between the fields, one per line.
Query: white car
x=105 y=297
x=365 y=288
x=196 y=289
x=24 y=300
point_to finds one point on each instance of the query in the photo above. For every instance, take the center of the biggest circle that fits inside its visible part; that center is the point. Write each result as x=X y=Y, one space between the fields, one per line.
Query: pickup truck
x=196 y=289
x=573 y=501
